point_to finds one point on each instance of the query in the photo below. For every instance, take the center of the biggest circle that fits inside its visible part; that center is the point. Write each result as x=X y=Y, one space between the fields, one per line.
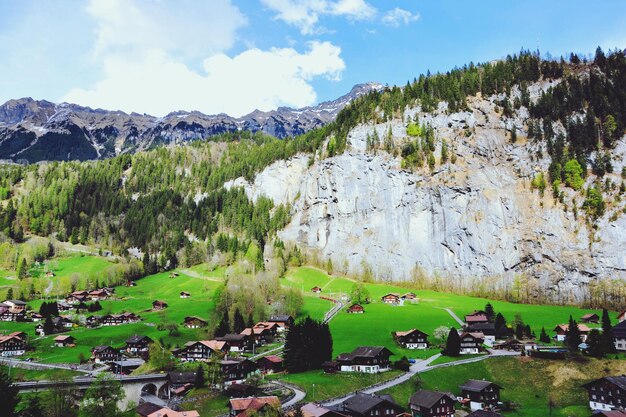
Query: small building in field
x=471 y=343
x=242 y=407
x=103 y=354
x=12 y=345
x=36 y=317
x=607 y=393
x=138 y=345
x=561 y=332
x=194 y=322
x=355 y=309
x=411 y=339
x=125 y=366
x=316 y=290
x=481 y=394
x=590 y=318
x=366 y=359
x=391 y=298
x=184 y=294
x=237 y=370
x=270 y=364
x=432 y=404
x=367 y=405
x=159 y=305
x=410 y=296
x=236 y=342
x=64 y=341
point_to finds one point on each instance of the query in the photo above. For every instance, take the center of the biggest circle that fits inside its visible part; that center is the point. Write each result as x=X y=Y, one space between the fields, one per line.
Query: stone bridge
x=153 y=386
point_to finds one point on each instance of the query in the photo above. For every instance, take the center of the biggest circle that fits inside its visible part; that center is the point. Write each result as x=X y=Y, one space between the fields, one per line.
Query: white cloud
x=154 y=63
x=398 y=16
x=305 y=14
x=254 y=79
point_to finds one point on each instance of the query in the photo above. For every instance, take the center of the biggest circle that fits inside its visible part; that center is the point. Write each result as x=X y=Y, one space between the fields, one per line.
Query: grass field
x=529 y=383
x=19 y=374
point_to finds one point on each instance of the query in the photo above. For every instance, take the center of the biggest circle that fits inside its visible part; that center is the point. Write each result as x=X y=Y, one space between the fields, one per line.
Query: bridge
x=152 y=386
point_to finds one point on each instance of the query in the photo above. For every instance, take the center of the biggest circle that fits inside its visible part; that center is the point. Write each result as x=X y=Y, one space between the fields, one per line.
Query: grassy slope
x=18 y=374
x=527 y=382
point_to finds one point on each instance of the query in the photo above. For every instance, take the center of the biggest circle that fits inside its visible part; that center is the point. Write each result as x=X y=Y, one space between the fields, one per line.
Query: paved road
x=455 y=317
x=298 y=394
x=36 y=365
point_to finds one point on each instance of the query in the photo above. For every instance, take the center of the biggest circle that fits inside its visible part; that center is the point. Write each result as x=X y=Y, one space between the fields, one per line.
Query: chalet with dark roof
x=481 y=394
x=432 y=404
x=194 y=322
x=7 y=314
x=184 y=294
x=202 y=350
x=236 y=342
x=410 y=296
x=590 y=318
x=92 y=321
x=180 y=382
x=64 y=306
x=355 y=309
x=284 y=321
x=270 y=364
x=237 y=370
x=159 y=305
x=125 y=366
x=367 y=405
x=146 y=409
x=607 y=393
x=484 y=413
x=411 y=339
x=471 y=343
x=619 y=336
x=316 y=290
x=244 y=407
x=366 y=359
x=12 y=345
x=103 y=354
x=138 y=345
x=118 y=319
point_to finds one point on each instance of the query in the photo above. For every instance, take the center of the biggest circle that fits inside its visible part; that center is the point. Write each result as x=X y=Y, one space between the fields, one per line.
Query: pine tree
x=607 y=339
x=489 y=311
x=223 y=328
x=22 y=269
x=200 y=380
x=250 y=322
x=594 y=341
x=500 y=325
x=453 y=343
x=572 y=336
x=48 y=326
x=238 y=322
x=8 y=395
x=10 y=293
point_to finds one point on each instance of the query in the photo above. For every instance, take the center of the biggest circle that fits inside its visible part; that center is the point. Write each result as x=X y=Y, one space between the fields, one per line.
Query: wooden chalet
x=63 y=322
x=236 y=342
x=21 y=335
x=471 y=343
x=138 y=345
x=367 y=405
x=411 y=339
x=366 y=359
x=76 y=297
x=98 y=295
x=36 y=317
x=12 y=345
x=7 y=314
x=237 y=370
x=177 y=380
x=409 y=296
x=64 y=341
x=355 y=309
x=316 y=290
x=391 y=298
x=103 y=354
x=607 y=393
x=258 y=335
x=619 y=336
x=15 y=305
x=486 y=413
x=590 y=318
x=201 y=350
x=432 y=404
x=184 y=294
x=239 y=390
x=125 y=366
x=118 y=319
x=148 y=409
x=159 y=305
x=65 y=306
x=481 y=394
x=284 y=321
x=477 y=316
x=270 y=364
x=244 y=407
x=561 y=332
x=316 y=410
x=194 y=322
x=92 y=321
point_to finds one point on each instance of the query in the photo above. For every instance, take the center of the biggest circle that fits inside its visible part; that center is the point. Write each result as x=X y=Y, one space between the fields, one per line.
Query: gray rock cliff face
x=473 y=219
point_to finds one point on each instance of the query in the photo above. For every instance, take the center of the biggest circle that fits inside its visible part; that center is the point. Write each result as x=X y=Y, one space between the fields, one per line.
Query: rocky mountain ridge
x=32 y=131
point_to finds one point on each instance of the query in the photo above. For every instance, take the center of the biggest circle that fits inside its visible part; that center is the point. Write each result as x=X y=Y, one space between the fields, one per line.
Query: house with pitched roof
x=411 y=339
x=64 y=340
x=12 y=345
x=243 y=407
x=471 y=343
x=561 y=332
x=367 y=405
x=481 y=394
x=432 y=404
x=201 y=350
x=237 y=370
x=270 y=364
x=236 y=342
x=607 y=393
x=366 y=359
x=619 y=336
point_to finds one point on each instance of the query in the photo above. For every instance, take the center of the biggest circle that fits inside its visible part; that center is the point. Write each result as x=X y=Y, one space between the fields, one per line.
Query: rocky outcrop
x=472 y=219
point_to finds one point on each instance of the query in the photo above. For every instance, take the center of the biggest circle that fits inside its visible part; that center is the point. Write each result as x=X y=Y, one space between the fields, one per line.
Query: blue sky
x=233 y=56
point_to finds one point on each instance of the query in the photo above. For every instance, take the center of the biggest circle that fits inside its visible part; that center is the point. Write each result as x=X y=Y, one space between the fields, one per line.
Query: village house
x=367 y=359
x=410 y=296
x=478 y=316
x=63 y=322
x=180 y=382
x=118 y=319
x=270 y=364
x=432 y=404
x=391 y=298
x=36 y=317
x=316 y=290
x=6 y=314
x=148 y=409
x=487 y=329
x=103 y=354
x=619 y=335
x=92 y=321
x=607 y=393
x=76 y=297
x=258 y=335
x=125 y=366
x=237 y=370
x=315 y=410
x=194 y=322
x=64 y=306
x=137 y=345
x=271 y=329
x=201 y=350
x=159 y=305
x=284 y=321
x=21 y=335
x=355 y=309
x=98 y=295
x=12 y=345
x=471 y=343
x=590 y=318
x=184 y=294
x=15 y=305
x=366 y=405
x=64 y=341
x=561 y=332
x=481 y=394
x=242 y=407
x=411 y=339
x=622 y=316
x=486 y=413
x=40 y=331
x=236 y=342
